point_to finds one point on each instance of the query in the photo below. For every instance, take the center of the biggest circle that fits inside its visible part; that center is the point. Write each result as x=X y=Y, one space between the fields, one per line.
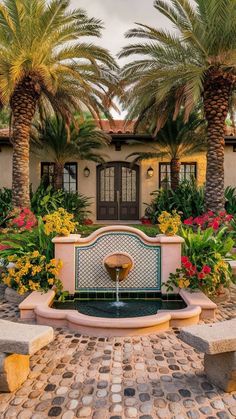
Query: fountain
x=118 y=267
x=116 y=283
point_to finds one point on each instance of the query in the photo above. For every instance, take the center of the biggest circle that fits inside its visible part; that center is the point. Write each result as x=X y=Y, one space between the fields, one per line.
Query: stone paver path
x=148 y=377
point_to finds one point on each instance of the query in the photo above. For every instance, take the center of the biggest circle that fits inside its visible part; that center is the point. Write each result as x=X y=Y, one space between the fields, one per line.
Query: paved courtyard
x=148 y=377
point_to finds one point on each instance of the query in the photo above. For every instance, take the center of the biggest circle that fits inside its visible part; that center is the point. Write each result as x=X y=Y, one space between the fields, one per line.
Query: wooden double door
x=118 y=191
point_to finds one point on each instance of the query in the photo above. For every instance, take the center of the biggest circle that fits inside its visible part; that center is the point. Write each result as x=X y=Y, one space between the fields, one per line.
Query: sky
x=119 y=16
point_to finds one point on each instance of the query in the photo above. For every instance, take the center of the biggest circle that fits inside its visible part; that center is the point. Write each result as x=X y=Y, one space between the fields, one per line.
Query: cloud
x=119 y=16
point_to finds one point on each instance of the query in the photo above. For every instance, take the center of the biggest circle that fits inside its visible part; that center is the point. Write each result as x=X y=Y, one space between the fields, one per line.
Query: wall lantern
x=86 y=172
x=150 y=172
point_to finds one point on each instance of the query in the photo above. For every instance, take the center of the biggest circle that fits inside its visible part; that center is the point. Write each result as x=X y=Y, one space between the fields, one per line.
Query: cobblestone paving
x=148 y=377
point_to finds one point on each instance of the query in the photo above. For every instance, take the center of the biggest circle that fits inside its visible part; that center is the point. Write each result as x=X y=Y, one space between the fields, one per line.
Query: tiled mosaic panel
x=90 y=272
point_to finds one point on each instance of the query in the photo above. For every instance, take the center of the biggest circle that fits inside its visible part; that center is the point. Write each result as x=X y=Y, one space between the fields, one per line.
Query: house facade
x=118 y=189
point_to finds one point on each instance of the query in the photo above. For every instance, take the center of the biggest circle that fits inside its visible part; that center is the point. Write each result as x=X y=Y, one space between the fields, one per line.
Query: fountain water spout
x=118 y=266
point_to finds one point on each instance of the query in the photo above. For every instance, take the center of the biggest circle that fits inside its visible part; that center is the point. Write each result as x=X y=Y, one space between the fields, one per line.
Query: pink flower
x=4 y=247
x=29 y=225
x=26 y=211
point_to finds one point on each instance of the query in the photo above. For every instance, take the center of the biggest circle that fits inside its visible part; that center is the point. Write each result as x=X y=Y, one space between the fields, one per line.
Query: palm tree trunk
x=174 y=173
x=23 y=105
x=216 y=106
x=58 y=179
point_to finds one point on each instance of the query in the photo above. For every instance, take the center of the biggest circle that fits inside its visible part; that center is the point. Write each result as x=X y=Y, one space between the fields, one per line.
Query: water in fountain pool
x=121 y=309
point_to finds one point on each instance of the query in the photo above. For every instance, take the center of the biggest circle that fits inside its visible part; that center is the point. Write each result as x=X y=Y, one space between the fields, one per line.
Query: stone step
x=25 y=339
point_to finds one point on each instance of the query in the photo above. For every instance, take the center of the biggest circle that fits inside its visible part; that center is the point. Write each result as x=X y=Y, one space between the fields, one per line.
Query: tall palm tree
x=197 y=61
x=51 y=139
x=176 y=140
x=45 y=63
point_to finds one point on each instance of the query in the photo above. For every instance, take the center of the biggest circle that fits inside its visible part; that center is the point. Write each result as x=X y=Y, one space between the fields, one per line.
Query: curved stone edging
x=37 y=306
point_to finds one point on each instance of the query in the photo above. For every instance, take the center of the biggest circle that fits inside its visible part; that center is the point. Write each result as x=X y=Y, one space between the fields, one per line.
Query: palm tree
x=45 y=64
x=176 y=140
x=51 y=139
x=195 y=62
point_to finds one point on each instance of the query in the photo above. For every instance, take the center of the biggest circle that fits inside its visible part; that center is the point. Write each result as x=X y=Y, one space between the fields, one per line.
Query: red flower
x=188 y=265
x=215 y=225
x=206 y=269
x=211 y=213
x=192 y=271
x=20 y=223
x=184 y=259
x=201 y=275
x=188 y=221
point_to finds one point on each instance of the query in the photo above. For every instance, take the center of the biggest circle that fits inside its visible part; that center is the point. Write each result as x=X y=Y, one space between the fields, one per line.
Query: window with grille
x=187 y=172
x=69 y=175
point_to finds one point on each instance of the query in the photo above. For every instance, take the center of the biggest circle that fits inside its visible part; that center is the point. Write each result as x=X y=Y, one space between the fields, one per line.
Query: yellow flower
x=59 y=222
x=50 y=281
x=183 y=283
x=22 y=290
x=34 y=286
x=11 y=271
x=169 y=223
x=35 y=254
x=7 y=281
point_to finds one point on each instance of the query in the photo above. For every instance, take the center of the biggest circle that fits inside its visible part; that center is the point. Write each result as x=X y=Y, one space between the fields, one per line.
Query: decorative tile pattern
x=91 y=274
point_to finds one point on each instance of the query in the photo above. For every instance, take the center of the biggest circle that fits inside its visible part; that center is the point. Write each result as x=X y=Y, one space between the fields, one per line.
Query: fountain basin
x=37 y=307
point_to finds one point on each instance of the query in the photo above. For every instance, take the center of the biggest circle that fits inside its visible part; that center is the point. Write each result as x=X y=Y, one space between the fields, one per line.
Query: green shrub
x=230 y=200
x=188 y=200
x=47 y=200
x=5 y=204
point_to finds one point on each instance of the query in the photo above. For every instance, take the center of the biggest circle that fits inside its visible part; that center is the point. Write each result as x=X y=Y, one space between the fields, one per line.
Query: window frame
x=48 y=164
x=184 y=164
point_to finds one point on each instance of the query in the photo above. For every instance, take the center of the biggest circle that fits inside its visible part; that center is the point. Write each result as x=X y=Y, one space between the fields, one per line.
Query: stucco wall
x=87 y=186
x=5 y=166
x=230 y=166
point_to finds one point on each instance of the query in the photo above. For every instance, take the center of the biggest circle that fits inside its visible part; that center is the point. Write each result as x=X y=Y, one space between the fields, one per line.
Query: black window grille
x=70 y=175
x=187 y=172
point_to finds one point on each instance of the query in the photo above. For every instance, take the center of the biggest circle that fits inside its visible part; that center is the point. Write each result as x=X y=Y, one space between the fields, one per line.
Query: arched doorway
x=118 y=191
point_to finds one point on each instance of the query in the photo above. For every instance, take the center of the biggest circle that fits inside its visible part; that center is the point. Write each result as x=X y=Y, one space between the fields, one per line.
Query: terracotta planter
x=13 y=297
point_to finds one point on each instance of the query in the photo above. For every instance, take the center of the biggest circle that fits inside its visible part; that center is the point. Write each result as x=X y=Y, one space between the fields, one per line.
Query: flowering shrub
x=210 y=279
x=31 y=272
x=209 y=219
x=59 y=222
x=21 y=219
x=203 y=264
x=169 y=223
